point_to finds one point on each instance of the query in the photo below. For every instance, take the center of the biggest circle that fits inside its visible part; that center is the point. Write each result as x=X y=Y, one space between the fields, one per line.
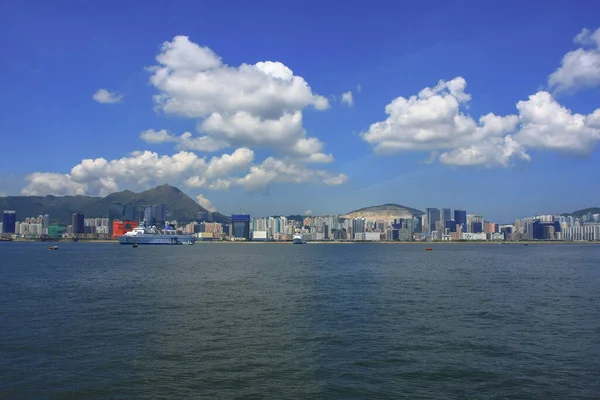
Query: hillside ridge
x=582 y=212
x=384 y=211
x=180 y=206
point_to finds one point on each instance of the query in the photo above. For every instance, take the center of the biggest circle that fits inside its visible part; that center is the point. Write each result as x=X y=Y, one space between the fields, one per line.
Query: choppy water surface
x=359 y=321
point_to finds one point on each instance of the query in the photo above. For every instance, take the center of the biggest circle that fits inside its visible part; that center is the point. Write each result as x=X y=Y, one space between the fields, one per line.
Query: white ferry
x=151 y=235
x=298 y=239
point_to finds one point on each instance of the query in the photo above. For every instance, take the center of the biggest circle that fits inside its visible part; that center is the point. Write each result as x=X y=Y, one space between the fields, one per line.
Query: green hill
x=385 y=211
x=180 y=206
x=581 y=213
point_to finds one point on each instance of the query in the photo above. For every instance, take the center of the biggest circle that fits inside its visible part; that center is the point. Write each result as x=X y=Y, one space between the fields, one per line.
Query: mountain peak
x=180 y=206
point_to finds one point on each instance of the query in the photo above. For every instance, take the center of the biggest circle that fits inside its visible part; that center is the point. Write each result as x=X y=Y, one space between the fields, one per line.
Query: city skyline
x=132 y=211
x=423 y=106
x=435 y=225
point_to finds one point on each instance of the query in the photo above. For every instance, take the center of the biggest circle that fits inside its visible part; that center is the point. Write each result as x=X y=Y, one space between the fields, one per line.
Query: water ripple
x=212 y=321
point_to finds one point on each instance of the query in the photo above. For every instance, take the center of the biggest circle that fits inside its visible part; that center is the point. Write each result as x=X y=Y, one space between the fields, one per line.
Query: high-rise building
x=9 y=220
x=115 y=211
x=146 y=214
x=129 y=213
x=475 y=223
x=46 y=221
x=159 y=214
x=460 y=217
x=78 y=223
x=490 y=227
x=433 y=217
x=545 y=230
x=451 y=226
x=417 y=224
x=358 y=225
x=240 y=226
x=446 y=215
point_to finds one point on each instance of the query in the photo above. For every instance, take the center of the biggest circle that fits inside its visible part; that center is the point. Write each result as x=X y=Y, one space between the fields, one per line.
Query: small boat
x=428 y=249
x=135 y=245
x=188 y=242
x=53 y=248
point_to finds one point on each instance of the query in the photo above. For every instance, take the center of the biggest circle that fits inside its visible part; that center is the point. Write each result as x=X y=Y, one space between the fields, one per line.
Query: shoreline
x=320 y=242
x=407 y=243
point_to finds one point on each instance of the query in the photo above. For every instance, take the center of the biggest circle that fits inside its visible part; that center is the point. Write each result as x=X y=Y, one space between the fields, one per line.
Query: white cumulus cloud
x=227 y=164
x=498 y=151
x=239 y=108
x=547 y=125
x=105 y=97
x=144 y=169
x=162 y=136
x=433 y=121
x=273 y=170
x=252 y=105
x=44 y=183
x=139 y=170
x=347 y=98
x=205 y=203
x=185 y=141
x=579 y=68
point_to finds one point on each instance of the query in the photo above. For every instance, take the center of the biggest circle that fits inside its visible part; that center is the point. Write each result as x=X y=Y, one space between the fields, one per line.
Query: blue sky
x=274 y=135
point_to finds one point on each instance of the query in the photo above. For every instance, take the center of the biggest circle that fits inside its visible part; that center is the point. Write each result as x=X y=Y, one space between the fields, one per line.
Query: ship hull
x=156 y=239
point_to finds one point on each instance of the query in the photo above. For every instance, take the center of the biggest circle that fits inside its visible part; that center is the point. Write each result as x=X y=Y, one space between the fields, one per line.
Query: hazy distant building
x=154 y=215
x=417 y=225
x=240 y=226
x=460 y=218
x=129 y=213
x=78 y=223
x=368 y=236
x=9 y=220
x=433 y=217
x=476 y=227
x=206 y=216
x=358 y=225
x=475 y=223
x=545 y=230
x=146 y=214
x=450 y=225
x=490 y=227
x=55 y=231
x=446 y=215
x=115 y=211
x=159 y=214
x=473 y=236
x=45 y=223
x=507 y=231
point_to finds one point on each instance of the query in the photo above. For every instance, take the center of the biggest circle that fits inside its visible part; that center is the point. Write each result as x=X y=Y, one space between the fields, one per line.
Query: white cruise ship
x=298 y=239
x=151 y=235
